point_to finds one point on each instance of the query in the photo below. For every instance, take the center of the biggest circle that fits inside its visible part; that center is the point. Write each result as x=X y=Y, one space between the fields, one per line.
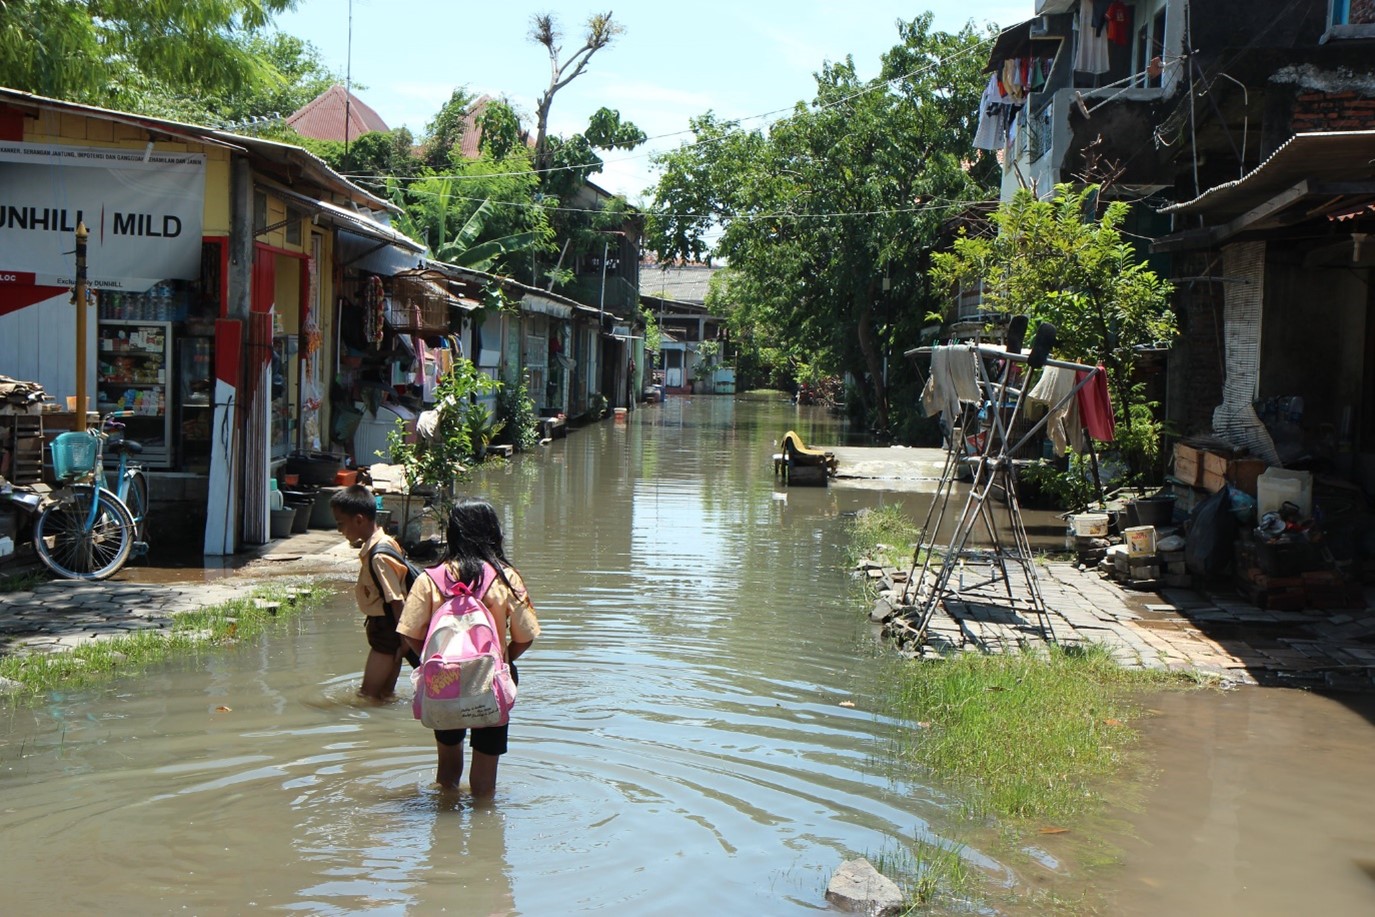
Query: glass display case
x=195 y=400
x=134 y=373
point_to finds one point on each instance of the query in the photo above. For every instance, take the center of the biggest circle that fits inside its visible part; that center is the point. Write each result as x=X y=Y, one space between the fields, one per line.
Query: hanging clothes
x=1119 y=23
x=1092 y=54
x=1062 y=423
x=1095 y=406
x=989 y=136
x=952 y=380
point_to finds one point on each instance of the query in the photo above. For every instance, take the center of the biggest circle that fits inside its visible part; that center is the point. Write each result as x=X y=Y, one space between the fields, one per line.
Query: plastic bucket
x=282 y=521
x=1090 y=525
x=1140 y=539
x=1278 y=486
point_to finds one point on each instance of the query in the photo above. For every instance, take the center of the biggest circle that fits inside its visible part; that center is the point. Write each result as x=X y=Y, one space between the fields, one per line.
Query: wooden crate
x=22 y=437
x=1245 y=472
x=1188 y=464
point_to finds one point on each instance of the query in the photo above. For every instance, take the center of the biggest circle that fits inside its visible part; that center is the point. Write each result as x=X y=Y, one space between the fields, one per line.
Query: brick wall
x=1333 y=111
x=1199 y=354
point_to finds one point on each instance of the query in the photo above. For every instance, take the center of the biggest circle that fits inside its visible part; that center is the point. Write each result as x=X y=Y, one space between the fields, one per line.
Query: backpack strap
x=385 y=550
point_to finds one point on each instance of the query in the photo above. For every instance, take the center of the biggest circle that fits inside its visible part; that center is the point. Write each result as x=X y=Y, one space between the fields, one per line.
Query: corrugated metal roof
x=304 y=163
x=1336 y=156
x=336 y=114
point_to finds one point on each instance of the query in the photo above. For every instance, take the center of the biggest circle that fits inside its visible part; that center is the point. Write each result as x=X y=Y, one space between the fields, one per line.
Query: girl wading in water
x=474 y=539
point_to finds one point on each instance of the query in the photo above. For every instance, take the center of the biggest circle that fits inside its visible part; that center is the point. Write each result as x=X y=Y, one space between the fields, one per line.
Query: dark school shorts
x=382 y=635
x=490 y=740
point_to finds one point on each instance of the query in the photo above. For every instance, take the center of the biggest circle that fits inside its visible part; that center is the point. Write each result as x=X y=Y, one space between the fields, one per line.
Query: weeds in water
x=187 y=633
x=885 y=534
x=930 y=872
x=1022 y=736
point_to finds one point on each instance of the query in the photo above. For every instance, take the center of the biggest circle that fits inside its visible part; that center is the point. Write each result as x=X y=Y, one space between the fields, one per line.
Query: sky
x=738 y=58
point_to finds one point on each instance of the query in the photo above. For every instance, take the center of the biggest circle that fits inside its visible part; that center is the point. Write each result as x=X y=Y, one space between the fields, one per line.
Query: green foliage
x=501 y=132
x=190 y=633
x=517 y=411
x=1021 y=736
x=1043 y=483
x=846 y=191
x=654 y=336
x=444 y=135
x=372 y=158
x=484 y=216
x=884 y=534
x=89 y=52
x=1053 y=260
x=463 y=432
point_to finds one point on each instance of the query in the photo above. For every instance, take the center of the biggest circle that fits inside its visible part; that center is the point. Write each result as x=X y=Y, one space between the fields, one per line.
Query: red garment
x=1095 y=407
x=1119 y=18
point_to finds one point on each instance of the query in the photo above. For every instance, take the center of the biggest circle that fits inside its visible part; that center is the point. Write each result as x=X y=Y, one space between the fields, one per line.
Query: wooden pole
x=79 y=422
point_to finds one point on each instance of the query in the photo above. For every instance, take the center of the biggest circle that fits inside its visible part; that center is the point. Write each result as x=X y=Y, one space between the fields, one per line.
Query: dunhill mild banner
x=143 y=212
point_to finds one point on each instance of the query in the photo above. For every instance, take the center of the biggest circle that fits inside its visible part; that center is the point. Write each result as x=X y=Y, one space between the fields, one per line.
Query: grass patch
x=190 y=632
x=884 y=535
x=22 y=582
x=930 y=873
x=1024 y=737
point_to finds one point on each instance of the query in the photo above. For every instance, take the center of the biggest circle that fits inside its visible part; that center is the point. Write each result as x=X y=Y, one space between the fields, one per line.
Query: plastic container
x=1090 y=525
x=301 y=523
x=345 y=478
x=1140 y=540
x=73 y=455
x=282 y=521
x=1278 y=486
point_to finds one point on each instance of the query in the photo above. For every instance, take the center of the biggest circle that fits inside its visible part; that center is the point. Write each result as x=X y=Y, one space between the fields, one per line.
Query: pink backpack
x=463 y=680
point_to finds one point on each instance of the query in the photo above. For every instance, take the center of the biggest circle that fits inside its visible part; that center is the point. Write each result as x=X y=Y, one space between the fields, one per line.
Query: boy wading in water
x=380 y=592
x=474 y=539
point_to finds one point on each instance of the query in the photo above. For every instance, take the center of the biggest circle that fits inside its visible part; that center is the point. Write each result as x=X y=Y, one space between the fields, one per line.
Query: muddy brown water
x=682 y=742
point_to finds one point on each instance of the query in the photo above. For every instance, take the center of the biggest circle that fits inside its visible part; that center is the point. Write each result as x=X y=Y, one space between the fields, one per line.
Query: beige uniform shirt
x=511 y=609
x=391 y=573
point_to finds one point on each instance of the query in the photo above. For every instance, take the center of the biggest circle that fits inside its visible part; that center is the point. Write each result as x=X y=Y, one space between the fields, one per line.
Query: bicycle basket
x=73 y=455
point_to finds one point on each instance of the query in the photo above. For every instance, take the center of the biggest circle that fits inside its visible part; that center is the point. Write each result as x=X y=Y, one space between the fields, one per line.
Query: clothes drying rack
x=948 y=569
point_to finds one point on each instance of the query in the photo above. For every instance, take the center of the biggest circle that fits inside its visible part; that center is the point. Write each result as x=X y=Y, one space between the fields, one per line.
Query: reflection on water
x=679 y=743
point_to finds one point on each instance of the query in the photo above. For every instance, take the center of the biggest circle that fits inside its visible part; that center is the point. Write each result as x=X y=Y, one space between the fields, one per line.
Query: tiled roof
x=323 y=117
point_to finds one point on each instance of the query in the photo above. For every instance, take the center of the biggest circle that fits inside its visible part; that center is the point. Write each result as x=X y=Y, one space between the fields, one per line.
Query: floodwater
x=696 y=733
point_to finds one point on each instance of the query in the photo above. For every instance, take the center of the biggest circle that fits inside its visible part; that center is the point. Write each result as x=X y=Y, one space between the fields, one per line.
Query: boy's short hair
x=355 y=500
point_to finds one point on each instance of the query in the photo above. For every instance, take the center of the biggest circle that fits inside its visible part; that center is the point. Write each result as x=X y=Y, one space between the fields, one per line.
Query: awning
x=1310 y=176
x=351 y=220
x=1009 y=43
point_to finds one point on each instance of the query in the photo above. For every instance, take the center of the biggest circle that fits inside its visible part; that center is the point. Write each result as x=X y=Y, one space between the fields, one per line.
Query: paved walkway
x=1212 y=633
x=59 y=615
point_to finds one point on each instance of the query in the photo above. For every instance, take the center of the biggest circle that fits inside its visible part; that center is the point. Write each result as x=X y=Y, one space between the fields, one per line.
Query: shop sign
x=143 y=210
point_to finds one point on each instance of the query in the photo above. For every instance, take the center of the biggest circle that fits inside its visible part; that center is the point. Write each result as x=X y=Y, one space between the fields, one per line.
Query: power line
x=936 y=204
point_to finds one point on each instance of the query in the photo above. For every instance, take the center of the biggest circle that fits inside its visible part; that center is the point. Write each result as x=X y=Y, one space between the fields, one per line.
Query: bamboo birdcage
x=420 y=304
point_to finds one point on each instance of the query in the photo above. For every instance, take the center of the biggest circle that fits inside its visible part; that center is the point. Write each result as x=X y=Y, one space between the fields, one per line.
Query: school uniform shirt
x=391 y=573
x=510 y=607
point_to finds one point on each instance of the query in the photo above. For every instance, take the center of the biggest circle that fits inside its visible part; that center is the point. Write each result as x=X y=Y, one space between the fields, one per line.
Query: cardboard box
x=1213 y=481
x=1244 y=472
x=1188 y=464
x=1215 y=463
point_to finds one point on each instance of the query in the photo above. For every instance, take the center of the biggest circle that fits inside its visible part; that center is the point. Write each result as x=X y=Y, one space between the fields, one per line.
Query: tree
x=841 y=194
x=544 y=29
x=1055 y=261
x=444 y=134
x=88 y=51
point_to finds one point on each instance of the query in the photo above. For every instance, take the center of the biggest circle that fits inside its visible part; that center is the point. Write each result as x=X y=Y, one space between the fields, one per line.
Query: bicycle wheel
x=136 y=498
x=71 y=545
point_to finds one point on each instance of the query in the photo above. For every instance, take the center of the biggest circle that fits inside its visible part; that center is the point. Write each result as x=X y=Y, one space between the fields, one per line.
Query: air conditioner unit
x=1040 y=27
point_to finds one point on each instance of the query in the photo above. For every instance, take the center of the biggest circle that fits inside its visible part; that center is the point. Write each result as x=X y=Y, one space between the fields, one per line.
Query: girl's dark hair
x=474 y=537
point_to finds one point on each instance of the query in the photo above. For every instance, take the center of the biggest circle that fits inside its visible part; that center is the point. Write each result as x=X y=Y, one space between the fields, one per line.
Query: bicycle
x=90 y=530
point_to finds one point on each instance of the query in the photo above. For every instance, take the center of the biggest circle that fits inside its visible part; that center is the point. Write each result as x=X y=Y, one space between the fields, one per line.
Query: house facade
x=1247 y=144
